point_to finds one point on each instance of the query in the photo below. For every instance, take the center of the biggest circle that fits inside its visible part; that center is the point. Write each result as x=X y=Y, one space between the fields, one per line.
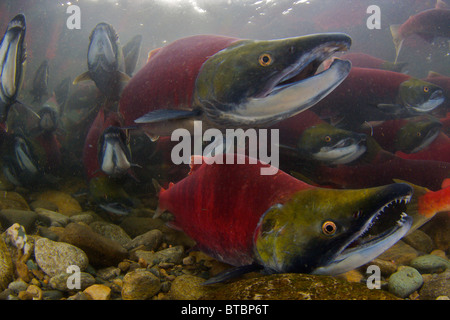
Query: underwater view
x=225 y=150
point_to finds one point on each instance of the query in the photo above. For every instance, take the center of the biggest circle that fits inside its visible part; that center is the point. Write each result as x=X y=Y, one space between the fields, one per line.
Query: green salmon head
x=331 y=145
x=258 y=83
x=12 y=60
x=326 y=231
x=417 y=135
x=420 y=96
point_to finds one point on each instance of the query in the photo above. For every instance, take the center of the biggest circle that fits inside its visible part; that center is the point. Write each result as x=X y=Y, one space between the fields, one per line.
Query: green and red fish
x=281 y=224
x=439 y=150
x=405 y=135
x=231 y=83
x=308 y=137
x=377 y=167
x=373 y=95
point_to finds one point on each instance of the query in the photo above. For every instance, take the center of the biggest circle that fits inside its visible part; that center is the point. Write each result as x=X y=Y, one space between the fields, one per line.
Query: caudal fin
x=398 y=41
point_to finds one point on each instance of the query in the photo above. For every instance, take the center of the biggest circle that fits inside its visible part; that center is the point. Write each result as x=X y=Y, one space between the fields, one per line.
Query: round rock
x=111 y=231
x=102 y=252
x=54 y=257
x=6 y=266
x=404 y=282
x=68 y=282
x=430 y=263
x=140 y=284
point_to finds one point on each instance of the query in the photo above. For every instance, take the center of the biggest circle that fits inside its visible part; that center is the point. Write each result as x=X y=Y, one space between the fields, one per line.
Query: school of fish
x=364 y=149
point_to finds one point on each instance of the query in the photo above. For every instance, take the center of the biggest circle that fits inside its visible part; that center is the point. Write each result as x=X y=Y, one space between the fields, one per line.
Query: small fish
x=438 y=150
x=62 y=93
x=105 y=62
x=311 y=138
x=12 y=60
x=40 y=82
x=330 y=145
x=110 y=195
x=376 y=95
x=427 y=24
x=48 y=119
x=443 y=82
x=376 y=167
x=406 y=135
x=281 y=224
x=231 y=83
x=92 y=149
x=131 y=52
x=20 y=163
x=114 y=154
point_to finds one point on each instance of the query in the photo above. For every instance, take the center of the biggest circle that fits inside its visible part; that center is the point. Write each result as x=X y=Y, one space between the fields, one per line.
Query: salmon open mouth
x=373 y=232
x=296 y=88
x=387 y=225
x=384 y=223
x=308 y=66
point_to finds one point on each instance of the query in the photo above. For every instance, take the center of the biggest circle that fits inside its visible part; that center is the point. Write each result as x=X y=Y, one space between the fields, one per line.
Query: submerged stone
x=294 y=286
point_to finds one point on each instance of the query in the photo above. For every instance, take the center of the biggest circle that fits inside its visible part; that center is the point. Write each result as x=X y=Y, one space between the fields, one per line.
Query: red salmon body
x=426 y=173
x=219 y=206
x=168 y=78
x=428 y=24
x=358 y=95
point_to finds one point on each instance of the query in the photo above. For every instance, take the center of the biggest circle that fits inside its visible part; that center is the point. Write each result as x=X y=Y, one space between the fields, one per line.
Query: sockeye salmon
x=281 y=224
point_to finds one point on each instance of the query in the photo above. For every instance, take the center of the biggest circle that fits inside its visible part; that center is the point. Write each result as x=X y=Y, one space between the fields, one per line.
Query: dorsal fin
x=434 y=74
x=445 y=183
x=196 y=162
x=152 y=53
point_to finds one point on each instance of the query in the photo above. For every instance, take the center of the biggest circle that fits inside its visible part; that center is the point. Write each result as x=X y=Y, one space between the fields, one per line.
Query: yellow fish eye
x=329 y=228
x=265 y=59
x=327 y=139
x=426 y=89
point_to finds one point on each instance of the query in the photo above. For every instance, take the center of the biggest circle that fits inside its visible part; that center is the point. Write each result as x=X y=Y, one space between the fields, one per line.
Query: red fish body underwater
x=428 y=25
x=282 y=224
x=373 y=95
x=228 y=82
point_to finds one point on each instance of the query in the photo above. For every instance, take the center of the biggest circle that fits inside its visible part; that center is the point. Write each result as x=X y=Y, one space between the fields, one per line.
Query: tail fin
x=398 y=41
x=441 y=5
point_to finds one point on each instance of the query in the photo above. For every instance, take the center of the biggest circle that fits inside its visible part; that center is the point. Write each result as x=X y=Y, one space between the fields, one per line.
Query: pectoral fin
x=390 y=108
x=166 y=115
x=82 y=77
x=232 y=273
x=123 y=77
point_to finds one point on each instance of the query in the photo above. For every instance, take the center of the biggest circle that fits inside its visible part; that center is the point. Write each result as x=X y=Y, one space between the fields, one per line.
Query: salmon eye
x=327 y=139
x=419 y=134
x=329 y=228
x=265 y=59
x=426 y=89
